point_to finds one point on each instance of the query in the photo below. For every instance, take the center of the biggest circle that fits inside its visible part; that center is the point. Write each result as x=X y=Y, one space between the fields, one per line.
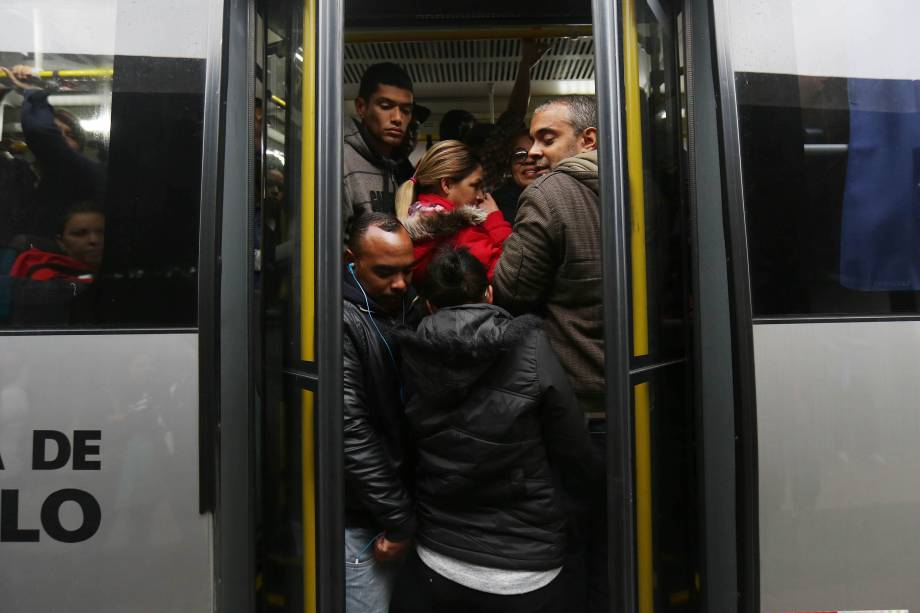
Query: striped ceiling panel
x=473 y=61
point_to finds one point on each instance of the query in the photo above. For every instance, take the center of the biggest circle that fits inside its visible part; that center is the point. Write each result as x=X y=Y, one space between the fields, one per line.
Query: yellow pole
x=308 y=298
x=97 y=73
x=636 y=179
x=82 y=73
x=644 y=543
x=645 y=571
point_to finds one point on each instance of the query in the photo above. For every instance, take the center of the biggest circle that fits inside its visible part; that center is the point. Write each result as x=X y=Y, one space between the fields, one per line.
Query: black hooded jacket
x=378 y=466
x=493 y=417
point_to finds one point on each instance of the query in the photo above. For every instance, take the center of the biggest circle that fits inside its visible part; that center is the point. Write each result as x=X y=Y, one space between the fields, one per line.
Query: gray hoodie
x=369 y=182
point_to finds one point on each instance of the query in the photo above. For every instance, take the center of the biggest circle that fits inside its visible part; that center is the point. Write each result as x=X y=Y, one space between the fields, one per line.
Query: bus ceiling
x=370 y=14
x=383 y=35
x=476 y=68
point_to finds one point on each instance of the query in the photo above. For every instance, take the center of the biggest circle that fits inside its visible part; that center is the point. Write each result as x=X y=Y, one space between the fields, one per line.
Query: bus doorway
x=472 y=60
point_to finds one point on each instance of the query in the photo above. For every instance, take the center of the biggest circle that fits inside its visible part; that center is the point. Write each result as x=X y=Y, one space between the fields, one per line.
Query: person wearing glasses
x=506 y=167
x=519 y=172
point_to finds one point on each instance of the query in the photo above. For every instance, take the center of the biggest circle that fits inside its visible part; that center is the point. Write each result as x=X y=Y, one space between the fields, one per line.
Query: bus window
x=101 y=112
x=828 y=145
x=100 y=152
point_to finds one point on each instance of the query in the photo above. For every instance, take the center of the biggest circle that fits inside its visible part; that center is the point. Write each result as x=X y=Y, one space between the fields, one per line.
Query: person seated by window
x=58 y=141
x=80 y=242
x=495 y=421
x=444 y=204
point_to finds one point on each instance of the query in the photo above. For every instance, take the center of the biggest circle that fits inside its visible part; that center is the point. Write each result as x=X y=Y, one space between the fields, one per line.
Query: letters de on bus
x=55 y=450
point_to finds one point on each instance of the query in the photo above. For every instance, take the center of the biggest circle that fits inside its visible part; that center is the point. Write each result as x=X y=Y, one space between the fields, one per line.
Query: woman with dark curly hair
x=506 y=167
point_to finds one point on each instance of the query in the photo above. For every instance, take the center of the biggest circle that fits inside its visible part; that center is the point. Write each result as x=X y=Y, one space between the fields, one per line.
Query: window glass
x=830 y=132
x=657 y=194
x=100 y=159
x=668 y=551
x=667 y=547
x=286 y=526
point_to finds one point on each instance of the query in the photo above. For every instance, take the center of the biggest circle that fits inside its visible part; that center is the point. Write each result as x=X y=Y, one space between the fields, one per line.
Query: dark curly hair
x=495 y=152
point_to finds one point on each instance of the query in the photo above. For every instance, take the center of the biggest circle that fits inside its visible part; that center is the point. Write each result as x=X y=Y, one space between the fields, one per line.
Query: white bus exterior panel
x=830 y=38
x=152 y=551
x=838 y=424
x=154 y=28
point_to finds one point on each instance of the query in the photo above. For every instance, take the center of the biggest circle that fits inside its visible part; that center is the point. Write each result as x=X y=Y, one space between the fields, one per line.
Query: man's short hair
x=384 y=73
x=582 y=110
x=361 y=224
x=78 y=208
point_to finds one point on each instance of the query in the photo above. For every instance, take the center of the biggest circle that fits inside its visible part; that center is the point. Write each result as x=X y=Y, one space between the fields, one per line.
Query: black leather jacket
x=378 y=466
x=494 y=419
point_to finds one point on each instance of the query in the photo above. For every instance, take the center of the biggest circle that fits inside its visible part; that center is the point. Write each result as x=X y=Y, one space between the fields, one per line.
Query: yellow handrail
x=308 y=298
x=82 y=73
x=643 y=458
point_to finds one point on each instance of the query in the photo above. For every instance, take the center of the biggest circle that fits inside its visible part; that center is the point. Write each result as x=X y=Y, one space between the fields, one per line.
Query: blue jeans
x=368 y=583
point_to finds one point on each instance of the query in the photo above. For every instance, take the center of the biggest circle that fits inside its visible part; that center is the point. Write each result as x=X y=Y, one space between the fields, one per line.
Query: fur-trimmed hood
x=439 y=221
x=453 y=347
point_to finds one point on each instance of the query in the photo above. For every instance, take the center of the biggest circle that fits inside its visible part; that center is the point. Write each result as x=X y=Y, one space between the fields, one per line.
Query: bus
x=171 y=405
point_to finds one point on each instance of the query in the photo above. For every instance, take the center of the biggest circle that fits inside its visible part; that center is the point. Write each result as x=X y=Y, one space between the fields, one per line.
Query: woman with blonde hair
x=443 y=204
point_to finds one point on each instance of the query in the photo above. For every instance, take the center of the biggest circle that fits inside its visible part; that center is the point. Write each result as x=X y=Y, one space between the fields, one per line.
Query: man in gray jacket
x=551 y=263
x=373 y=138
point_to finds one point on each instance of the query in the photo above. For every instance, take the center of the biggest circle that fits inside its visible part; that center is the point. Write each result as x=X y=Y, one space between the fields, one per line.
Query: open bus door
x=632 y=55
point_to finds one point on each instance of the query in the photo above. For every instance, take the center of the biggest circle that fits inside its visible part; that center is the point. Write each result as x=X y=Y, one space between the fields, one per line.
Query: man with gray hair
x=551 y=263
x=551 y=266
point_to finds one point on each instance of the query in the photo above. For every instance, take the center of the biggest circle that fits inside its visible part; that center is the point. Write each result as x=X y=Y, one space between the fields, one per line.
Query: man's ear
x=349 y=256
x=489 y=296
x=588 y=140
x=431 y=308
x=360 y=107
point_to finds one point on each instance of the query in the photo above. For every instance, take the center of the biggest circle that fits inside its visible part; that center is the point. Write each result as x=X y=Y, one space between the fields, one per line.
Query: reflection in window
x=830 y=185
x=100 y=157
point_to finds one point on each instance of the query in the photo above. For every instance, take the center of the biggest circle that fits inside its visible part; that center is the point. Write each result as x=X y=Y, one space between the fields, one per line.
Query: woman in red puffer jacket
x=444 y=204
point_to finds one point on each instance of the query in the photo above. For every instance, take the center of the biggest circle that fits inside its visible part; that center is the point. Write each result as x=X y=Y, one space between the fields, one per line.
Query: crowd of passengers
x=473 y=356
x=472 y=339
x=52 y=229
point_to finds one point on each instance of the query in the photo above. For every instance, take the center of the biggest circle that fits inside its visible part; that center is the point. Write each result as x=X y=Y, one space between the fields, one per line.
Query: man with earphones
x=379 y=515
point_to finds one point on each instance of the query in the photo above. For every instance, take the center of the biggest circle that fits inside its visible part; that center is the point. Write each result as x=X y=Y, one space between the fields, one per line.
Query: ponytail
x=449 y=159
x=405 y=196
